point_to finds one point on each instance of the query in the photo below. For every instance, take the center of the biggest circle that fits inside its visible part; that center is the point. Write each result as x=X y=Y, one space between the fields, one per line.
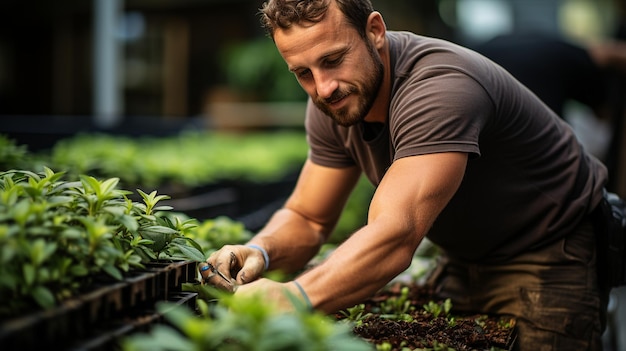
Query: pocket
x=580 y=245
x=569 y=312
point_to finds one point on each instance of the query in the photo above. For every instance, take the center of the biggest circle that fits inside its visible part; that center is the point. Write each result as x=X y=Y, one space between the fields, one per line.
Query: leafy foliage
x=214 y=233
x=11 y=154
x=398 y=307
x=439 y=309
x=56 y=235
x=244 y=324
x=189 y=159
x=267 y=79
x=355 y=314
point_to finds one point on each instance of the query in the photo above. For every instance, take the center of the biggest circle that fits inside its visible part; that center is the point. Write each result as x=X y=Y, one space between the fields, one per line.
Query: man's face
x=341 y=72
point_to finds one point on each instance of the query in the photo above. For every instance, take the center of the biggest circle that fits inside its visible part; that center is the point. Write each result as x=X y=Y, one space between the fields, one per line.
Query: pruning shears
x=214 y=271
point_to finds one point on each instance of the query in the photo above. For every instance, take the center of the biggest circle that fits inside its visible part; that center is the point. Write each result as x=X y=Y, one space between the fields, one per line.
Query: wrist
x=305 y=297
x=266 y=257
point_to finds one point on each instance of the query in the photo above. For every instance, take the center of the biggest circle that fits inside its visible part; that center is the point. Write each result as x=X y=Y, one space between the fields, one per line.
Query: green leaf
x=60 y=200
x=161 y=338
x=90 y=184
x=116 y=210
x=7 y=253
x=108 y=186
x=78 y=270
x=112 y=271
x=44 y=297
x=158 y=229
x=190 y=253
x=29 y=274
x=163 y=208
x=193 y=243
x=129 y=222
x=8 y=281
x=159 y=241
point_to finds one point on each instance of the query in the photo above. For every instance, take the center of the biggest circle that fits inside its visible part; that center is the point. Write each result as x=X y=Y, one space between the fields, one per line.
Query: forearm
x=359 y=267
x=290 y=240
x=404 y=207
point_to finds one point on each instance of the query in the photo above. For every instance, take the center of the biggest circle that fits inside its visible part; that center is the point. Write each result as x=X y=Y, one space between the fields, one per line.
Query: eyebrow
x=340 y=51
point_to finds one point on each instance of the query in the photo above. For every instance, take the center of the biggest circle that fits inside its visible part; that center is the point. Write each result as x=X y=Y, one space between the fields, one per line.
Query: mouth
x=337 y=101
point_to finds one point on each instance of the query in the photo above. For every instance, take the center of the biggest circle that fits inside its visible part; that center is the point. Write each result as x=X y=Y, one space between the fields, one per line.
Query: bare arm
x=405 y=205
x=295 y=233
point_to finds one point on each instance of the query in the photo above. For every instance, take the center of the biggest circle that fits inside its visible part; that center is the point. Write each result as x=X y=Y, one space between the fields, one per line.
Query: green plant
x=256 y=68
x=192 y=158
x=14 y=156
x=57 y=235
x=356 y=314
x=236 y=323
x=439 y=309
x=214 y=233
x=398 y=307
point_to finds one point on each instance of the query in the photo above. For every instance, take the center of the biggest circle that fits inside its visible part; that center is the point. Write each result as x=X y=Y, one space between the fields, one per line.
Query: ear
x=376 y=29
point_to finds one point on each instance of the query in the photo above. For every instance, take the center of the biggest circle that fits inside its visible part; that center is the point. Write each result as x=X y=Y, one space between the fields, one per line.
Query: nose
x=325 y=85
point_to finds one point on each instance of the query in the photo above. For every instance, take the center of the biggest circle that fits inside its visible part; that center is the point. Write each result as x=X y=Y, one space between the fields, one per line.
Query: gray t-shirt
x=528 y=180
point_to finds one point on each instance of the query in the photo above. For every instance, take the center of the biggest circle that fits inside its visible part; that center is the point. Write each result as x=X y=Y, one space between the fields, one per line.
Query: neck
x=380 y=109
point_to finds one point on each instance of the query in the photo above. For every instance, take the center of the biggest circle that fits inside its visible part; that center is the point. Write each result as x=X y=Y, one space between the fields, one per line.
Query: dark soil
x=424 y=331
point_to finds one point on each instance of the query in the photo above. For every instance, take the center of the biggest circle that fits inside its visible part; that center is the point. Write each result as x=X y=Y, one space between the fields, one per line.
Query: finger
x=221 y=267
x=222 y=261
x=252 y=269
x=212 y=276
x=233 y=264
x=205 y=270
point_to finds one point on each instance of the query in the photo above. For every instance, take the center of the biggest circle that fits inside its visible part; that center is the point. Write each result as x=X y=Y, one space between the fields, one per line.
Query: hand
x=272 y=292
x=234 y=265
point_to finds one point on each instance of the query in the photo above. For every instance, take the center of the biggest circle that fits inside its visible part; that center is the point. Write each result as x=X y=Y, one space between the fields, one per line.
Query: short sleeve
x=440 y=110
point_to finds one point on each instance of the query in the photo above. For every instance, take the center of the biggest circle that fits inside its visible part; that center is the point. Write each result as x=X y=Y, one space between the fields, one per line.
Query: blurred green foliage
x=191 y=158
x=255 y=68
x=238 y=324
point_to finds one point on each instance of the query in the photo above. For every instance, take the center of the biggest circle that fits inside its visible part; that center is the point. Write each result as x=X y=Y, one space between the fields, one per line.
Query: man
x=459 y=151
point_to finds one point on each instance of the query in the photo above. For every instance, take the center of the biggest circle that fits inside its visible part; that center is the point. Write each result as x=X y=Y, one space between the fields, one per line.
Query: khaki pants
x=552 y=292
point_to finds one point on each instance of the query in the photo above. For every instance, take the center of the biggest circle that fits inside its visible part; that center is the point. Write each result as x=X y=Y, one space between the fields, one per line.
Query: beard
x=366 y=93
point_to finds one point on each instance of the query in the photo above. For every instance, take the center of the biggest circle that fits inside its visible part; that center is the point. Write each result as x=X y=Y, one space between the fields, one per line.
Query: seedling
x=439 y=309
x=356 y=314
x=398 y=308
x=56 y=236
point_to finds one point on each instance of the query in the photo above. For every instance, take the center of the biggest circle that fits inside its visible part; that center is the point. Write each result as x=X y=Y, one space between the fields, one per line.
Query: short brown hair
x=283 y=14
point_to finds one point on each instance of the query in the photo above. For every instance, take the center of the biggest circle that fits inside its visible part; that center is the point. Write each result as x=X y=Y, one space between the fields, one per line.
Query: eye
x=303 y=73
x=334 y=61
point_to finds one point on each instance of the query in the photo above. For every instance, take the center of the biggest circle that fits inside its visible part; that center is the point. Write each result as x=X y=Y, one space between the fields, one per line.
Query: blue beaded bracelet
x=266 y=258
x=306 y=297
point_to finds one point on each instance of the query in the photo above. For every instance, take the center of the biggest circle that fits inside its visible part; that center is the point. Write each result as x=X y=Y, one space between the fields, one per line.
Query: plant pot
x=109 y=308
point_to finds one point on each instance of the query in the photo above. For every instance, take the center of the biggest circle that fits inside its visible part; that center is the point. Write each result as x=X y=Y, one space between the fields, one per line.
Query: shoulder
x=411 y=52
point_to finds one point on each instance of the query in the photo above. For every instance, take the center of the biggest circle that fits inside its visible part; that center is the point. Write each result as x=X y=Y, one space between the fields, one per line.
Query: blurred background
x=161 y=67
x=152 y=66
x=107 y=61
